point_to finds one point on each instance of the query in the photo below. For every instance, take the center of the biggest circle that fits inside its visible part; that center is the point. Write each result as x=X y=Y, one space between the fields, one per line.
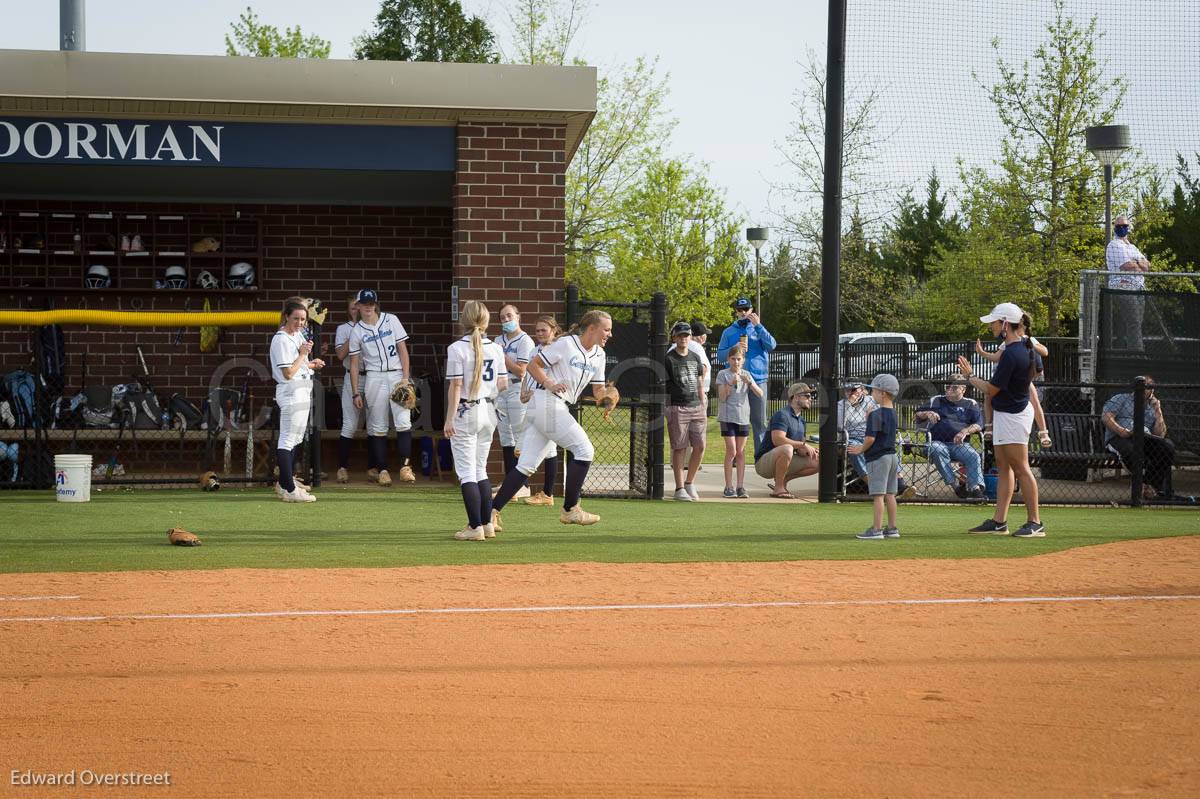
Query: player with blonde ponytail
x=471 y=419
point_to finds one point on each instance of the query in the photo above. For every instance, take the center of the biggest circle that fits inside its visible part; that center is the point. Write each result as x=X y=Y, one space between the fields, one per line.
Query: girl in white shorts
x=292 y=370
x=475 y=376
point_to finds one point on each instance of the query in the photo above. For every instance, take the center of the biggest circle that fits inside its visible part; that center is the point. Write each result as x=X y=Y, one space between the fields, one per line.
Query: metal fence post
x=1139 y=441
x=573 y=313
x=318 y=423
x=655 y=411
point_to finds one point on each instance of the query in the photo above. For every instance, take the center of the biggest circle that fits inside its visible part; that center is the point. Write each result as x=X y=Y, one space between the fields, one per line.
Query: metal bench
x=1078 y=448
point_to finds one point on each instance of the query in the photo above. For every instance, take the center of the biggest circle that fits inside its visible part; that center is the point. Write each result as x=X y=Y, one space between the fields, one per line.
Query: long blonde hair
x=475 y=318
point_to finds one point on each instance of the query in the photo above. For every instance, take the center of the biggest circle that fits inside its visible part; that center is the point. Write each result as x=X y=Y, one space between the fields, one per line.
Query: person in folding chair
x=852 y=412
x=951 y=419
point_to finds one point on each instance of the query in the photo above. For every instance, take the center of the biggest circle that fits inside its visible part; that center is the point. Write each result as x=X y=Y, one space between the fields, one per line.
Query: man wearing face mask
x=1121 y=256
x=747 y=331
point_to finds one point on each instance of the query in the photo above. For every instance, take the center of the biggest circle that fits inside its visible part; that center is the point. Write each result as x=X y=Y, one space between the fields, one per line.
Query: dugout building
x=432 y=183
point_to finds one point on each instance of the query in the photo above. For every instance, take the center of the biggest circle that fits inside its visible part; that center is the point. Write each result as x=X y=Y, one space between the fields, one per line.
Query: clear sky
x=734 y=68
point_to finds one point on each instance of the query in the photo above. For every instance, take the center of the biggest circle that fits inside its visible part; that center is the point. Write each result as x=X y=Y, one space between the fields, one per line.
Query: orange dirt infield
x=995 y=699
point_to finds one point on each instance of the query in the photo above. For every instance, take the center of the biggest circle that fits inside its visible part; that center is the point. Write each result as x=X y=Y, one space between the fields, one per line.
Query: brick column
x=509 y=217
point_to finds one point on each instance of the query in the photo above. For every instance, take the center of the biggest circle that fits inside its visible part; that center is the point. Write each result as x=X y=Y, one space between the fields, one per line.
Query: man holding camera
x=756 y=342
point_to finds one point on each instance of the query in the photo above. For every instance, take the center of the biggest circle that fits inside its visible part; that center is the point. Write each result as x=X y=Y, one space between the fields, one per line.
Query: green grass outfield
x=126 y=530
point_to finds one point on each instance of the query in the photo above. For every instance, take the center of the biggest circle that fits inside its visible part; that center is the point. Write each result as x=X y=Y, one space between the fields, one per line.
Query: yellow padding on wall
x=82 y=316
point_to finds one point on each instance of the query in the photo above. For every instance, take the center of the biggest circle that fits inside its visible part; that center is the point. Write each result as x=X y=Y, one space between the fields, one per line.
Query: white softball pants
x=294 y=399
x=352 y=418
x=511 y=412
x=380 y=408
x=547 y=423
x=474 y=426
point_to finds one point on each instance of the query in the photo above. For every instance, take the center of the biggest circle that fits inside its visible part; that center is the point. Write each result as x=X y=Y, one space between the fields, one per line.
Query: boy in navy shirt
x=883 y=464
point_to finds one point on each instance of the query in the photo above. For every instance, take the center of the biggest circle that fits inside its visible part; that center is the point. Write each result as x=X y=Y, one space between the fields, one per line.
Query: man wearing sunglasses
x=1159 y=456
x=783 y=454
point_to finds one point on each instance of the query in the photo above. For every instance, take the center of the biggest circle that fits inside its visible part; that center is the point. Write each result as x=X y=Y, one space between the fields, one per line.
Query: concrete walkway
x=710 y=482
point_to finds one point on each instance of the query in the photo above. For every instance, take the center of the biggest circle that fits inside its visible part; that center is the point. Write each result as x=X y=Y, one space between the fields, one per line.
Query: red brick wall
x=328 y=252
x=509 y=217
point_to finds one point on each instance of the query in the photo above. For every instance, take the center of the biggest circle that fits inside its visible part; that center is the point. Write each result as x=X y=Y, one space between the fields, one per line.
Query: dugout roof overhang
x=306 y=93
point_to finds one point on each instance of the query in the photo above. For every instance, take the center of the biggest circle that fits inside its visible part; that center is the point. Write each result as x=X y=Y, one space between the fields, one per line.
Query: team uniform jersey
x=460 y=364
x=475 y=417
x=549 y=420
x=294 y=395
x=519 y=348
x=566 y=362
x=378 y=345
x=351 y=417
x=378 y=348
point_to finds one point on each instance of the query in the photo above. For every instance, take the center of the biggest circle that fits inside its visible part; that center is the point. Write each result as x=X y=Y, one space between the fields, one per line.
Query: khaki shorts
x=765 y=466
x=687 y=426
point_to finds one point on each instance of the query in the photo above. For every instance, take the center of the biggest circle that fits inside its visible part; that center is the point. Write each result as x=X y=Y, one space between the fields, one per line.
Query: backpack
x=180 y=408
x=53 y=351
x=141 y=407
x=224 y=405
x=21 y=389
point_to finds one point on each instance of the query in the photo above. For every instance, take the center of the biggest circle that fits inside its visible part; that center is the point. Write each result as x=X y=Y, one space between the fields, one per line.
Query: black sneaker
x=960 y=491
x=991 y=527
x=1030 y=530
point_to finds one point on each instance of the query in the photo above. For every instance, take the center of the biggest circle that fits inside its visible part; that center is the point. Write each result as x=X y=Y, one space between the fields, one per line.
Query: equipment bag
x=181 y=409
x=224 y=405
x=21 y=390
x=53 y=351
x=141 y=407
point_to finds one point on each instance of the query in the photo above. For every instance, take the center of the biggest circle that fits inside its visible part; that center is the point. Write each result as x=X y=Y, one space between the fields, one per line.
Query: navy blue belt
x=380 y=371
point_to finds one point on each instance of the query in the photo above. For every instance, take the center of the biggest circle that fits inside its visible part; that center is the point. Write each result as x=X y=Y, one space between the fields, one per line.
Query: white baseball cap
x=1004 y=312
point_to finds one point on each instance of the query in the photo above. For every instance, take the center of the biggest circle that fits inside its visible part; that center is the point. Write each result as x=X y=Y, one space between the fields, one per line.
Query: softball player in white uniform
x=518 y=348
x=563 y=370
x=475 y=377
x=545 y=331
x=292 y=370
x=377 y=348
x=352 y=416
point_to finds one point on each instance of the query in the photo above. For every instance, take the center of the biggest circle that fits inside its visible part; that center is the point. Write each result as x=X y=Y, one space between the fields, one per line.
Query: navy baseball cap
x=743 y=304
x=699 y=328
x=368 y=296
x=681 y=329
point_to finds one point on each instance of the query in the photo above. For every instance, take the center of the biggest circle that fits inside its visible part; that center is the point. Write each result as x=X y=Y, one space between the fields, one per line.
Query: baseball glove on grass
x=210 y=482
x=608 y=399
x=182 y=538
x=405 y=394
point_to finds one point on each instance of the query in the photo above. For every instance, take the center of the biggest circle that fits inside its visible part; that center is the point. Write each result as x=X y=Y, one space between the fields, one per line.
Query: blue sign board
x=128 y=142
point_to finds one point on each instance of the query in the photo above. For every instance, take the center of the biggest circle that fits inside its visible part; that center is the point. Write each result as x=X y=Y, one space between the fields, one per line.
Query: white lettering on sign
x=84 y=141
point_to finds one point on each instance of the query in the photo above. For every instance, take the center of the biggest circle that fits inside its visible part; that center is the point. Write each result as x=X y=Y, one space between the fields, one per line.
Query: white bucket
x=73 y=478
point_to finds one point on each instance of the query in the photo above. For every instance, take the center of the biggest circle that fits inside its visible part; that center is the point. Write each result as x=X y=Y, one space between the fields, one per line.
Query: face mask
x=509 y=326
x=1122 y=231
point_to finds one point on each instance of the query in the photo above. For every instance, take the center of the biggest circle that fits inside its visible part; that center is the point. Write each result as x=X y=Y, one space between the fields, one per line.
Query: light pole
x=1107 y=142
x=757 y=236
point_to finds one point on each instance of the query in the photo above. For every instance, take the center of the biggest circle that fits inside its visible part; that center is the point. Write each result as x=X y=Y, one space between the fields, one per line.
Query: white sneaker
x=342 y=475
x=682 y=495
x=469 y=534
x=578 y=515
x=489 y=530
x=384 y=478
x=297 y=496
x=522 y=492
x=373 y=475
x=692 y=492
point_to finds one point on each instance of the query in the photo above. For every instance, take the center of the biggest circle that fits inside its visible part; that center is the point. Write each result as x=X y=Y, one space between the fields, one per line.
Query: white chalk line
x=34 y=598
x=276 y=614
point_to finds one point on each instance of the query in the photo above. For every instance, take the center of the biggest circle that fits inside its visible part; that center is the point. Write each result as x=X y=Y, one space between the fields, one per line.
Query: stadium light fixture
x=1107 y=142
x=757 y=236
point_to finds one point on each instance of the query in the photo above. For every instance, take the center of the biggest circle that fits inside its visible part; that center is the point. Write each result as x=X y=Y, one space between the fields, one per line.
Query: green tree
x=427 y=30
x=544 y=30
x=919 y=231
x=249 y=37
x=678 y=238
x=1180 y=231
x=1032 y=222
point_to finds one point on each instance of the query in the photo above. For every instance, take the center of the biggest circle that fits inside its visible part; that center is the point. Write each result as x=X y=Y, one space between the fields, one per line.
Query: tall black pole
x=757 y=281
x=831 y=247
x=1108 y=175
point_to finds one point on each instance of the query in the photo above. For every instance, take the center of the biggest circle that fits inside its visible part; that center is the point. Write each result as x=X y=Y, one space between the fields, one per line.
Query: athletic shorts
x=883 y=474
x=687 y=426
x=1012 y=428
x=731 y=430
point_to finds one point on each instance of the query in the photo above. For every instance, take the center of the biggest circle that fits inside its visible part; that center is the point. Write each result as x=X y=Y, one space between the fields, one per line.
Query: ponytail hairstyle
x=475 y=318
x=591 y=318
x=1026 y=324
x=293 y=304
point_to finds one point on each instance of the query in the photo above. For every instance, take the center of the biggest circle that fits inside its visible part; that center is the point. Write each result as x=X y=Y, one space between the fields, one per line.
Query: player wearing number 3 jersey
x=377 y=348
x=475 y=376
x=563 y=371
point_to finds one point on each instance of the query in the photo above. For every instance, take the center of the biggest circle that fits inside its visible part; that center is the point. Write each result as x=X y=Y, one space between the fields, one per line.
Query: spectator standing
x=1158 y=457
x=878 y=448
x=1128 y=309
x=952 y=418
x=852 y=411
x=687 y=413
x=756 y=342
x=734 y=387
x=784 y=454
